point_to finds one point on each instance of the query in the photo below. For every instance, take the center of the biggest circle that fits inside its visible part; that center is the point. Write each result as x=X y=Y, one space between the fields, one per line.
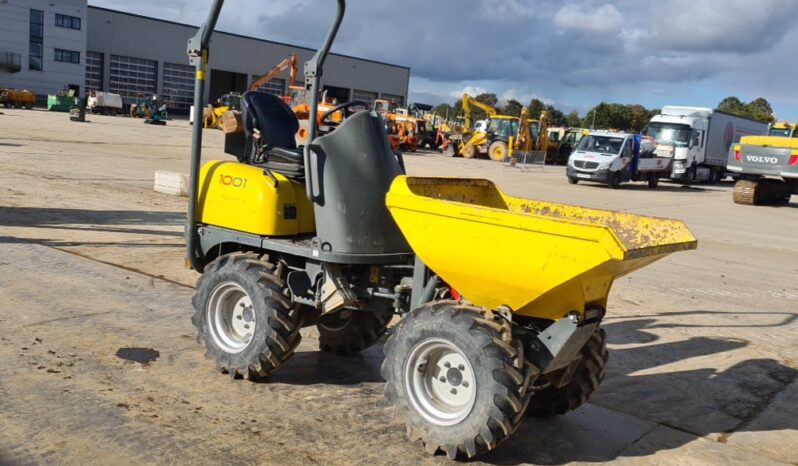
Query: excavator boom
x=468 y=101
x=274 y=72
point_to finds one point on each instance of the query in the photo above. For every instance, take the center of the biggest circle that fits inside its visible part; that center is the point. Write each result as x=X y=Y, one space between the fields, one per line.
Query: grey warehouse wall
x=112 y=32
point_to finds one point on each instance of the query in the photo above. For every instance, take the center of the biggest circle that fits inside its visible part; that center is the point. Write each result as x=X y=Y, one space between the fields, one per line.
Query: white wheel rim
x=231 y=317
x=440 y=382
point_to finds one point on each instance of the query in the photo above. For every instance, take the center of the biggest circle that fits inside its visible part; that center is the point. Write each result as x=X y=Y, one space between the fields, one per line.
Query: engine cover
x=245 y=198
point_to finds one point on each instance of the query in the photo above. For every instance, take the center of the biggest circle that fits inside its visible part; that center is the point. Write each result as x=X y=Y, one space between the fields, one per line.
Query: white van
x=611 y=158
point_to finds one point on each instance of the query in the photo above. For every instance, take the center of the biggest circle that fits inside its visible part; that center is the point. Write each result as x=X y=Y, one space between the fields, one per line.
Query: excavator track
x=761 y=192
x=747 y=192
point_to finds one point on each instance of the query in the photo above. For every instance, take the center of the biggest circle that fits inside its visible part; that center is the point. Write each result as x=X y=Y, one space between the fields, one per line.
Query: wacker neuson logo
x=761 y=159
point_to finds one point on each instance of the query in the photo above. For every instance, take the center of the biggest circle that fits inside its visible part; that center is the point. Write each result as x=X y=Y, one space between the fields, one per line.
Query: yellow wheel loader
x=497 y=321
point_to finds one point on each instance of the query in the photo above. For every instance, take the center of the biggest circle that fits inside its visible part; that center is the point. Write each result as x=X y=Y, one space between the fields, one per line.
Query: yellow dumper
x=500 y=298
x=538 y=259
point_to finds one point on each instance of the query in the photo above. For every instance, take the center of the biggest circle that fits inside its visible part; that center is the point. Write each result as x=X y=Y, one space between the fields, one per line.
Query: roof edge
x=136 y=15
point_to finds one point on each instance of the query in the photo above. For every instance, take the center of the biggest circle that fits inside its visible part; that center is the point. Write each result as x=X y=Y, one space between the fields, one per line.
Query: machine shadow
x=696 y=402
x=321 y=368
x=106 y=221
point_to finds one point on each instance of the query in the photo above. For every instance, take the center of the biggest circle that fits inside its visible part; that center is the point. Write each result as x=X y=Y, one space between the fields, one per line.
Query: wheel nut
x=447 y=365
x=454 y=391
x=461 y=367
x=442 y=379
x=465 y=384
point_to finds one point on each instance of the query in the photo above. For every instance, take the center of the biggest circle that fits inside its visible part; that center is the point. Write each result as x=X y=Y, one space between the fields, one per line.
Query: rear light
x=737 y=153
x=793 y=158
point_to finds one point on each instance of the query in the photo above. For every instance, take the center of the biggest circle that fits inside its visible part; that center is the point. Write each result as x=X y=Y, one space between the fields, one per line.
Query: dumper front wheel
x=459 y=378
x=350 y=331
x=549 y=400
x=244 y=319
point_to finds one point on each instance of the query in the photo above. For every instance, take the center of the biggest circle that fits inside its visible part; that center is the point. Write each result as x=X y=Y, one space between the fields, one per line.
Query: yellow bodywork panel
x=770 y=141
x=244 y=198
x=539 y=258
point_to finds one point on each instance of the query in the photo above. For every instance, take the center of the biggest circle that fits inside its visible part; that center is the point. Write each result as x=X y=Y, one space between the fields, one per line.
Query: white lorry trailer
x=104 y=102
x=698 y=140
x=611 y=158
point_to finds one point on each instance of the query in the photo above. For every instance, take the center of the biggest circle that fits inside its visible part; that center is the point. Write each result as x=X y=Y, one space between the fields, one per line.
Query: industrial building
x=68 y=44
x=43 y=45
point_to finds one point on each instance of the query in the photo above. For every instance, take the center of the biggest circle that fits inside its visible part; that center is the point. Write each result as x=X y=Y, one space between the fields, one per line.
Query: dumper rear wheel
x=458 y=376
x=350 y=331
x=244 y=319
x=549 y=400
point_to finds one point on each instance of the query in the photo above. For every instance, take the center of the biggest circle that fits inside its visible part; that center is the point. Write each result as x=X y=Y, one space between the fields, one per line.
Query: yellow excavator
x=494 y=137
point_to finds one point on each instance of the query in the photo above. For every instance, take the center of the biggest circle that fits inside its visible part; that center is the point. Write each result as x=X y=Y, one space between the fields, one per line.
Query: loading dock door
x=223 y=82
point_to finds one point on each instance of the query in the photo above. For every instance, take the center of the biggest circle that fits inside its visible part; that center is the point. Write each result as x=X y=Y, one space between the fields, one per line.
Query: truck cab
x=611 y=158
x=698 y=139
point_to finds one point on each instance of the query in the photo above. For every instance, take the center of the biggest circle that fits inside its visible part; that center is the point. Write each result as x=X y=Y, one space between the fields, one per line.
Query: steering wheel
x=343 y=106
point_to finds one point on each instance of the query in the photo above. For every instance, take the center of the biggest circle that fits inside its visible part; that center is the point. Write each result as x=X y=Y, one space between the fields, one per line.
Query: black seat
x=270 y=127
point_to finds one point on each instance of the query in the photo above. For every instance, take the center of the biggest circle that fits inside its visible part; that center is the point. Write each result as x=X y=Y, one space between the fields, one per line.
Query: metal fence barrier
x=532 y=160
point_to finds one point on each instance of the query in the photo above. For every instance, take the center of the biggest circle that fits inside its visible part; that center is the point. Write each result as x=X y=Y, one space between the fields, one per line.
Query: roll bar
x=314 y=69
x=197 y=50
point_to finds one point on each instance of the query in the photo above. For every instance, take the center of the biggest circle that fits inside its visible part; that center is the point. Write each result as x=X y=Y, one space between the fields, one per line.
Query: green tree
x=573 y=120
x=760 y=109
x=535 y=107
x=732 y=105
x=640 y=117
x=445 y=110
x=512 y=108
x=556 y=117
x=609 y=116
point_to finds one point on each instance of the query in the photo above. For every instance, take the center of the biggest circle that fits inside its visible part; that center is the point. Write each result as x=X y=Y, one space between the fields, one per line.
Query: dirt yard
x=703 y=358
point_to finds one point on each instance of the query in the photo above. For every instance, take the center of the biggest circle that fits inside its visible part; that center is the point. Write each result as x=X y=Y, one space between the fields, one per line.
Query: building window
x=133 y=78
x=94 y=71
x=64 y=21
x=365 y=96
x=67 y=56
x=399 y=100
x=276 y=86
x=36 y=40
x=178 y=85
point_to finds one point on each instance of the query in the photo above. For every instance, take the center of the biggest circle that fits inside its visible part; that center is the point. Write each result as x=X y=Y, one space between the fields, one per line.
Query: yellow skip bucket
x=539 y=258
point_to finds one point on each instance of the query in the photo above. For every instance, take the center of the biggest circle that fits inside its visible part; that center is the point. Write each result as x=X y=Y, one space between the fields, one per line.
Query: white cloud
x=706 y=25
x=473 y=91
x=506 y=11
x=603 y=20
x=523 y=97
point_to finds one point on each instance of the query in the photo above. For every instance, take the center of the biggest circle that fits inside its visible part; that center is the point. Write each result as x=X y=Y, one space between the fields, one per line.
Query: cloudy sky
x=571 y=53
